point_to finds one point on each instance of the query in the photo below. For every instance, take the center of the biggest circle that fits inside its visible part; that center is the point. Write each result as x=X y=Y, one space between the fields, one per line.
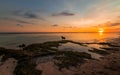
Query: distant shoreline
x=47 y=32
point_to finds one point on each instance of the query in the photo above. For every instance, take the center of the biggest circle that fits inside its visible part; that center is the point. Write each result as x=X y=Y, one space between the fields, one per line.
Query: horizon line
x=48 y=32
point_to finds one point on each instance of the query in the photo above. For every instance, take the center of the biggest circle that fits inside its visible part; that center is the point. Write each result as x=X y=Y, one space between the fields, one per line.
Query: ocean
x=12 y=40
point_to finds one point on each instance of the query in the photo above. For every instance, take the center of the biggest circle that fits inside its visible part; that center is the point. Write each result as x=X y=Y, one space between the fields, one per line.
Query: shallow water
x=13 y=40
x=72 y=47
x=78 y=48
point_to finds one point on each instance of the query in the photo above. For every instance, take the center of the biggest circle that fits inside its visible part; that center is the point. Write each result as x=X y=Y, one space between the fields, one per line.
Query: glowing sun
x=101 y=30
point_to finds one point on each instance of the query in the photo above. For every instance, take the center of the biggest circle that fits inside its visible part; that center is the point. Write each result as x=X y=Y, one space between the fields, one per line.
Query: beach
x=62 y=57
x=59 y=37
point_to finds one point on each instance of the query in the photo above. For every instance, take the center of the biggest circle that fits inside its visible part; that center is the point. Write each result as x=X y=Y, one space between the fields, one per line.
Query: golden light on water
x=101 y=30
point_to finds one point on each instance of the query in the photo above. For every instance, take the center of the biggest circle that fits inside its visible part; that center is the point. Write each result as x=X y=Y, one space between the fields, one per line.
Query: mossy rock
x=25 y=67
x=66 y=59
x=101 y=52
x=111 y=48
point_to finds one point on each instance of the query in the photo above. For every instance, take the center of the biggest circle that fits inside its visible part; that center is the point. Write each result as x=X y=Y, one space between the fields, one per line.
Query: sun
x=101 y=30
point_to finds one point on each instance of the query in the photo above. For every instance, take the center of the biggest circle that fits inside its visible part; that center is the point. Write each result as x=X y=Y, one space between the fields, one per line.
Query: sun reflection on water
x=101 y=33
x=101 y=30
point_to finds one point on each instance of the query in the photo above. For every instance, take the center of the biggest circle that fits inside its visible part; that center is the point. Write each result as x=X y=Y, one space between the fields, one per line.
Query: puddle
x=72 y=47
x=97 y=46
x=75 y=47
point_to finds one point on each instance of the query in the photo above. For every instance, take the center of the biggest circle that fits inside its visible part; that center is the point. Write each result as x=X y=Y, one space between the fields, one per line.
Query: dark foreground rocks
x=63 y=62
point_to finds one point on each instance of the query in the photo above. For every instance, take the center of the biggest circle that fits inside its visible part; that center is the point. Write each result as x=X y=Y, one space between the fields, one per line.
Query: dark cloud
x=19 y=25
x=27 y=14
x=109 y=24
x=118 y=16
x=112 y=24
x=55 y=25
x=115 y=24
x=30 y=15
x=20 y=21
x=65 y=13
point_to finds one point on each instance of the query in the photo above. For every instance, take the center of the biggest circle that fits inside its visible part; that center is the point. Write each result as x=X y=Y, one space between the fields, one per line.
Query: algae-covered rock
x=66 y=59
x=101 y=52
x=25 y=67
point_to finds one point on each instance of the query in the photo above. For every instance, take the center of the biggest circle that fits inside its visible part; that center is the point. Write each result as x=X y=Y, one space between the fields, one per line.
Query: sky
x=59 y=15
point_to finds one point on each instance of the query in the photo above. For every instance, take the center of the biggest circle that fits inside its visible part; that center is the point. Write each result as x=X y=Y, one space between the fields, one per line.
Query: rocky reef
x=62 y=59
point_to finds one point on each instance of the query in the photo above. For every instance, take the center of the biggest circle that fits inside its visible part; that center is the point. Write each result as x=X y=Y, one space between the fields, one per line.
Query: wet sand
x=106 y=65
x=8 y=67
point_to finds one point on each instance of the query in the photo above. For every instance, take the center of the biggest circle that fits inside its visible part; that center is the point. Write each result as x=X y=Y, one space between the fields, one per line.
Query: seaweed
x=101 y=52
x=110 y=48
x=66 y=59
x=62 y=59
x=25 y=67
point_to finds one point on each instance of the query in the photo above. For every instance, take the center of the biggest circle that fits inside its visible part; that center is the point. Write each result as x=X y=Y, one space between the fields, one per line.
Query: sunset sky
x=59 y=15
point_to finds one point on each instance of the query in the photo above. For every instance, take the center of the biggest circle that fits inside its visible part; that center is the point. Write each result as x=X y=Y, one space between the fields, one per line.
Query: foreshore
x=46 y=59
